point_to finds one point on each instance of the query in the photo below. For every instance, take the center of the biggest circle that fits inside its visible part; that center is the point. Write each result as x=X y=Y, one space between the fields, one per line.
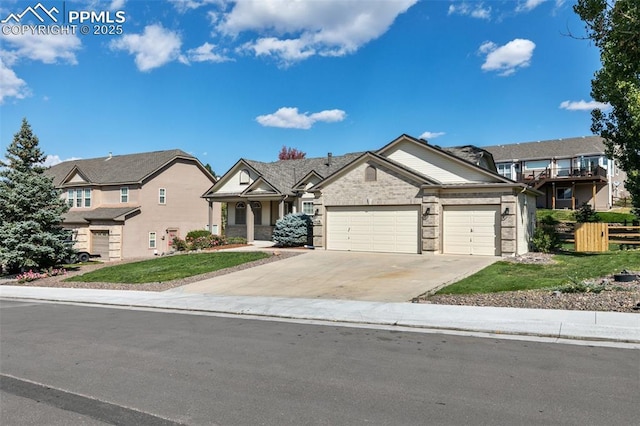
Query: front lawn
x=508 y=276
x=168 y=268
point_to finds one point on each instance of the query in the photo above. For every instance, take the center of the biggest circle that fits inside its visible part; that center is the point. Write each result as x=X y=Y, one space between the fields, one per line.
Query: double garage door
x=373 y=228
x=471 y=230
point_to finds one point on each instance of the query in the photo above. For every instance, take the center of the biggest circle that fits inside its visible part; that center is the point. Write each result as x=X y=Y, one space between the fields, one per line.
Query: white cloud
x=155 y=47
x=183 y=6
x=293 y=30
x=583 y=105
x=205 y=53
x=52 y=160
x=11 y=86
x=475 y=11
x=431 y=135
x=45 y=48
x=529 y=5
x=290 y=118
x=117 y=4
x=508 y=58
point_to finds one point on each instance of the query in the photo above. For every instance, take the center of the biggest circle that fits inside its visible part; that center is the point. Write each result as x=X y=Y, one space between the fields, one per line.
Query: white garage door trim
x=373 y=228
x=471 y=229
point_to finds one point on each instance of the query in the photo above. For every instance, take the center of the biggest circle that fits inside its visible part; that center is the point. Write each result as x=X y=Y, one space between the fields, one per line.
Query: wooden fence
x=596 y=237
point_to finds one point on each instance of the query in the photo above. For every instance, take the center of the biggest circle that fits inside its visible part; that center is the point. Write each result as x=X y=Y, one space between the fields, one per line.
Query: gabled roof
x=283 y=175
x=558 y=148
x=389 y=163
x=117 y=169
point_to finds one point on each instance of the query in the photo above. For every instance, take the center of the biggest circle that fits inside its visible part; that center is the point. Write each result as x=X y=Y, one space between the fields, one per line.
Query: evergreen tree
x=31 y=235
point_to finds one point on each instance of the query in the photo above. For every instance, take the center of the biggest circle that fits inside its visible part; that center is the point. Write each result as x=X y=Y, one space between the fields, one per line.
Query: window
x=369 y=174
x=124 y=195
x=162 y=196
x=79 y=197
x=307 y=207
x=504 y=170
x=241 y=213
x=257 y=213
x=244 y=177
x=563 y=193
x=152 y=240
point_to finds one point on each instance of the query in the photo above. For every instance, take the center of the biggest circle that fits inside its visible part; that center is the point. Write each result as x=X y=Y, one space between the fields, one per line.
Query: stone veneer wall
x=434 y=200
x=389 y=188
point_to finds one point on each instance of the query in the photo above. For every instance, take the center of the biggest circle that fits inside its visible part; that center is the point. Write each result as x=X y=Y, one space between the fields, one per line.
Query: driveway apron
x=322 y=274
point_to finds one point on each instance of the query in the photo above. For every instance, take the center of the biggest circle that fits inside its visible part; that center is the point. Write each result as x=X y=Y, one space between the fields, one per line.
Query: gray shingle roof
x=284 y=174
x=118 y=169
x=558 y=148
x=101 y=213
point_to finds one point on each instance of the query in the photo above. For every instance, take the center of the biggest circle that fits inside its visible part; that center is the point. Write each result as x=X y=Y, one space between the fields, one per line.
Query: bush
x=545 y=238
x=198 y=240
x=586 y=214
x=236 y=240
x=197 y=233
x=295 y=229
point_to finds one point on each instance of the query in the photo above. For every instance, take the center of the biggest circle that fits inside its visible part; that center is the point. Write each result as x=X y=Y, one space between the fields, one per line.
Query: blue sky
x=228 y=79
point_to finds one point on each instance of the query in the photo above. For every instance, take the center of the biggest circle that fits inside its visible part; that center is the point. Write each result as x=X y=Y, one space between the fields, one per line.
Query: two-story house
x=126 y=206
x=569 y=172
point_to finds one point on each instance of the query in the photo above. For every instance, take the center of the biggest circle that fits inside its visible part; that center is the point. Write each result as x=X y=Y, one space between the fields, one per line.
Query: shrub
x=294 y=229
x=236 y=240
x=545 y=238
x=586 y=214
x=197 y=233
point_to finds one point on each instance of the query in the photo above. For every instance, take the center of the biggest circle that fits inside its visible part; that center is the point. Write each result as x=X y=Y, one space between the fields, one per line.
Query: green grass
x=168 y=268
x=507 y=276
x=568 y=216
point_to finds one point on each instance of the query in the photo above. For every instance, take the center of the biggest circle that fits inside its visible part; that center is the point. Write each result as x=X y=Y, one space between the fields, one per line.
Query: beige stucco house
x=568 y=172
x=406 y=197
x=126 y=206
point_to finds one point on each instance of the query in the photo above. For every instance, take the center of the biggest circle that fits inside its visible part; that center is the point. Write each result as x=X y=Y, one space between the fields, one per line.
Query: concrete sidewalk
x=559 y=325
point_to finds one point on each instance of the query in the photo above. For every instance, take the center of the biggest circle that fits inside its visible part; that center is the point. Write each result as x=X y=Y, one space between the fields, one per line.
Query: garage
x=100 y=244
x=373 y=228
x=471 y=230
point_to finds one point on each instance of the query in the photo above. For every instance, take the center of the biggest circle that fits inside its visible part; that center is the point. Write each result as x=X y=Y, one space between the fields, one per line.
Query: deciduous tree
x=290 y=154
x=614 y=27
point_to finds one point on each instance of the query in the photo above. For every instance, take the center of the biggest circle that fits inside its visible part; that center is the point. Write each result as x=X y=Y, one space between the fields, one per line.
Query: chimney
x=329 y=155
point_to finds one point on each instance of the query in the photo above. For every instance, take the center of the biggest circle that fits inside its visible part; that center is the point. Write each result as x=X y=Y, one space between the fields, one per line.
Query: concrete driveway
x=322 y=274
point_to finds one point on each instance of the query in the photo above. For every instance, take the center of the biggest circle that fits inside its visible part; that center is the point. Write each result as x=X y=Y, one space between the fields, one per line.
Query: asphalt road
x=67 y=365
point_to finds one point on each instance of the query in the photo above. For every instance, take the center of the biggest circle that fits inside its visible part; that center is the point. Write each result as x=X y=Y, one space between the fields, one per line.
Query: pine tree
x=31 y=235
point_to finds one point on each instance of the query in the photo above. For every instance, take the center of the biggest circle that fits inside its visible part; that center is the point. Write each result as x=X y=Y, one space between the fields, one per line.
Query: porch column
x=250 y=224
x=281 y=209
x=573 y=195
x=553 y=196
x=594 y=195
x=210 y=219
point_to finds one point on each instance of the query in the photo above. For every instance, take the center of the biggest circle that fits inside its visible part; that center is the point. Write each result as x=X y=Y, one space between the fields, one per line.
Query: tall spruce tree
x=31 y=234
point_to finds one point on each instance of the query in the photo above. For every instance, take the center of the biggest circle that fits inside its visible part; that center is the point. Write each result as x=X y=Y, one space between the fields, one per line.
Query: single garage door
x=373 y=228
x=471 y=230
x=100 y=244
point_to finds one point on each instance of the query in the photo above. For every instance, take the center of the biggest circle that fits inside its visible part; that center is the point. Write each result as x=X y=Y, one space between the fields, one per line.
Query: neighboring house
x=407 y=197
x=568 y=172
x=126 y=206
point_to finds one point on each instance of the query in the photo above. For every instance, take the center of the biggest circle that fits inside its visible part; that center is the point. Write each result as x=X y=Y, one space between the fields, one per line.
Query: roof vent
x=110 y=156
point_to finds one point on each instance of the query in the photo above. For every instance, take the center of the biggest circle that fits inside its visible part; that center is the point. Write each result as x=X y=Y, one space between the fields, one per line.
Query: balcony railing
x=531 y=176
